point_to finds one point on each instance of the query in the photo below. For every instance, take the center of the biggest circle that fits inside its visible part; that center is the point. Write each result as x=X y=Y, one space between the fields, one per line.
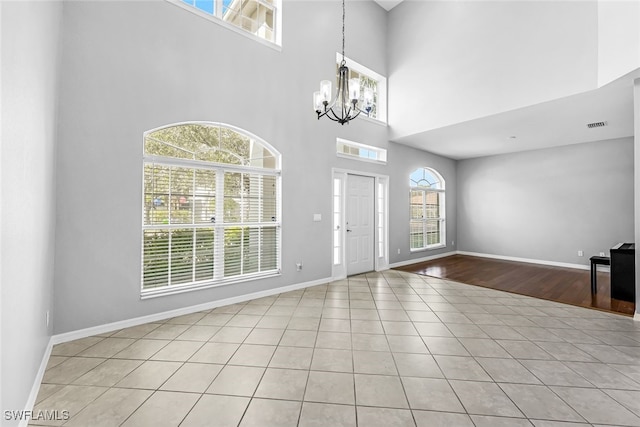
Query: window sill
x=428 y=248
x=179 y=289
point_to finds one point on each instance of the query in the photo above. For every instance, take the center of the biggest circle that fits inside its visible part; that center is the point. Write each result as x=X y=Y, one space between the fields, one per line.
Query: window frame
x=381 y=153
x=216 y=17
x=381 y=104
x=441 y=219
x=220 y=226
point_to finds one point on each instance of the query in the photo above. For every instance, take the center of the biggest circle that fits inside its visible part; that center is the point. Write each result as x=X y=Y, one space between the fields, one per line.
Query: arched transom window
x=211 y=207
x=427 y=223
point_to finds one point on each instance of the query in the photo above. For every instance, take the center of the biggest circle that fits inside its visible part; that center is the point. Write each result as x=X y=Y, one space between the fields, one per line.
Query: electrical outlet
x=398 y=251
x=602 y=254
x=46 y=318
x=453 y=242
x=580 y=253
x=299 y=266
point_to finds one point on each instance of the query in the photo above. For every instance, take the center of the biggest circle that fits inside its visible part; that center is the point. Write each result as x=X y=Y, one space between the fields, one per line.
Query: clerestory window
x=427 y=223
x=363 y=152
x=211 y=208
x=257 y=17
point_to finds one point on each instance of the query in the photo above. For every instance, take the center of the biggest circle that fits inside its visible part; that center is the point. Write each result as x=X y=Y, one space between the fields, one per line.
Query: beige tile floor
x=390 y=349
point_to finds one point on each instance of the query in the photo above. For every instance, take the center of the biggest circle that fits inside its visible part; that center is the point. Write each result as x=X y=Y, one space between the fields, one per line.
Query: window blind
x=208 y=224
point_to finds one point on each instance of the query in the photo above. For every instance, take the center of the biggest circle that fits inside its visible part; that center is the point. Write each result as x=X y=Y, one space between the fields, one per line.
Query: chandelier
x=344 y=106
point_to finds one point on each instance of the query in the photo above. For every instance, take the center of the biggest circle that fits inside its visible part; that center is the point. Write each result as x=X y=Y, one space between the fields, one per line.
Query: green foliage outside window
x=181 y=214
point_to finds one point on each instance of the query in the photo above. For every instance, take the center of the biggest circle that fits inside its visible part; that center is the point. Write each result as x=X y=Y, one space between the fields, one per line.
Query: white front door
x=360 y=224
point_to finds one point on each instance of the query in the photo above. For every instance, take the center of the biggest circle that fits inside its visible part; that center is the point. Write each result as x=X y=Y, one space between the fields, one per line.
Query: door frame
x=380 y=216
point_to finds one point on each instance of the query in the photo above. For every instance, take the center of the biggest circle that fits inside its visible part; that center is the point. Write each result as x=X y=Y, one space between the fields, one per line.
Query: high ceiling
x=540 y=119
x=388 y=4
x=550 y=124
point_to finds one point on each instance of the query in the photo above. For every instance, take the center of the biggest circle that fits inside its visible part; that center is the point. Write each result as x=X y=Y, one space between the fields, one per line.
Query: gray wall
x=453 y=61
x=548 y=204
x=29 y=89
x=166 y=65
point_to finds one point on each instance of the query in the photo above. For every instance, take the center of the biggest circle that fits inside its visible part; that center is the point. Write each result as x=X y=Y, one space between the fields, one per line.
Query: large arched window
x=427 y=224
x=211 y=208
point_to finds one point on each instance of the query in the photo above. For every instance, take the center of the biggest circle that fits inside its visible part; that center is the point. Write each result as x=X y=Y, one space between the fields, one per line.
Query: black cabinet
x=623 y=272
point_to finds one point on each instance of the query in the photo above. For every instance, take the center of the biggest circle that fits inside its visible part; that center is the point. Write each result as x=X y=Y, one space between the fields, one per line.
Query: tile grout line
x=574 y=322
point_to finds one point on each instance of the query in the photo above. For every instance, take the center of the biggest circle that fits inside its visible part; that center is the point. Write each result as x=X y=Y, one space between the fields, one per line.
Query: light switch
x=317 y=217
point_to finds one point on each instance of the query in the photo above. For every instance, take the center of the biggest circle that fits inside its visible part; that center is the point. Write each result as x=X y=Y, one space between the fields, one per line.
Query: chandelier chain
x=343 y=16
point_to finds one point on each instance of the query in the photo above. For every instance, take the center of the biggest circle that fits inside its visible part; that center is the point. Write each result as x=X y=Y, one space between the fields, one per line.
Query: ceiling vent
x=596 y=125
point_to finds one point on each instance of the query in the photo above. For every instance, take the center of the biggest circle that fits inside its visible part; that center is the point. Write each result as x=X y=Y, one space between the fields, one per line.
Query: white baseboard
x=529 y=260
x=501 y=257
x=114 y=326
x=636 y=316
x=423 y=259
x=35 y=389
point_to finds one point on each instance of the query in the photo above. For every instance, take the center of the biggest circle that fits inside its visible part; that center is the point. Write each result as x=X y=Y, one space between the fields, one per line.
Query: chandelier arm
x=350 y=116
x=342 y=119
x=326 y=113
x=359 y=110
x=332 y=116
x=347 y=115
x=330 y=106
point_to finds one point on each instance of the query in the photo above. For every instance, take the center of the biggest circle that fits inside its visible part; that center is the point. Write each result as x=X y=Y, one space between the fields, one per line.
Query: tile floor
x=384 y=349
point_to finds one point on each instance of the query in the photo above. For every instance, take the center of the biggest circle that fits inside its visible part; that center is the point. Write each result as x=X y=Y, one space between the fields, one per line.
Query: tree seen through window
x=211 y=206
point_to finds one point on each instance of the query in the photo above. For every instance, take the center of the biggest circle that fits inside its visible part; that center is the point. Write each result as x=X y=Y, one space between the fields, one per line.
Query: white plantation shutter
x=208 y=223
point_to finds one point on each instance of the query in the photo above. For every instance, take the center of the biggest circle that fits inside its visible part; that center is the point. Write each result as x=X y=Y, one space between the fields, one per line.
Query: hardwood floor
x=566 y=285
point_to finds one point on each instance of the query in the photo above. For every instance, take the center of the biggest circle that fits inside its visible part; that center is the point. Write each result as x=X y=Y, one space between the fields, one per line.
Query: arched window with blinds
x=211 y=208
x=426 y=198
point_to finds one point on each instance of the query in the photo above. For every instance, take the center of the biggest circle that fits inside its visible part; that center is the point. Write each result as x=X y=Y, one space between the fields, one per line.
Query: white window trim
x=382 y=88
x=277 y=22
x=443 y=215
x=442 y=219
x=380 y=151
x=180 y=289
x=169 y=161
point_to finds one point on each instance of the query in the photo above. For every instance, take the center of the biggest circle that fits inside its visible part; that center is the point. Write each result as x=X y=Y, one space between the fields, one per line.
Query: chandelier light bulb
x=317 y=101
x=325 y=90
x=368 y=98
x=354 y=89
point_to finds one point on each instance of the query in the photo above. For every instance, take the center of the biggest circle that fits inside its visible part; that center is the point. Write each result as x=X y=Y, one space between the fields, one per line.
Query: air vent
x=596 y=125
